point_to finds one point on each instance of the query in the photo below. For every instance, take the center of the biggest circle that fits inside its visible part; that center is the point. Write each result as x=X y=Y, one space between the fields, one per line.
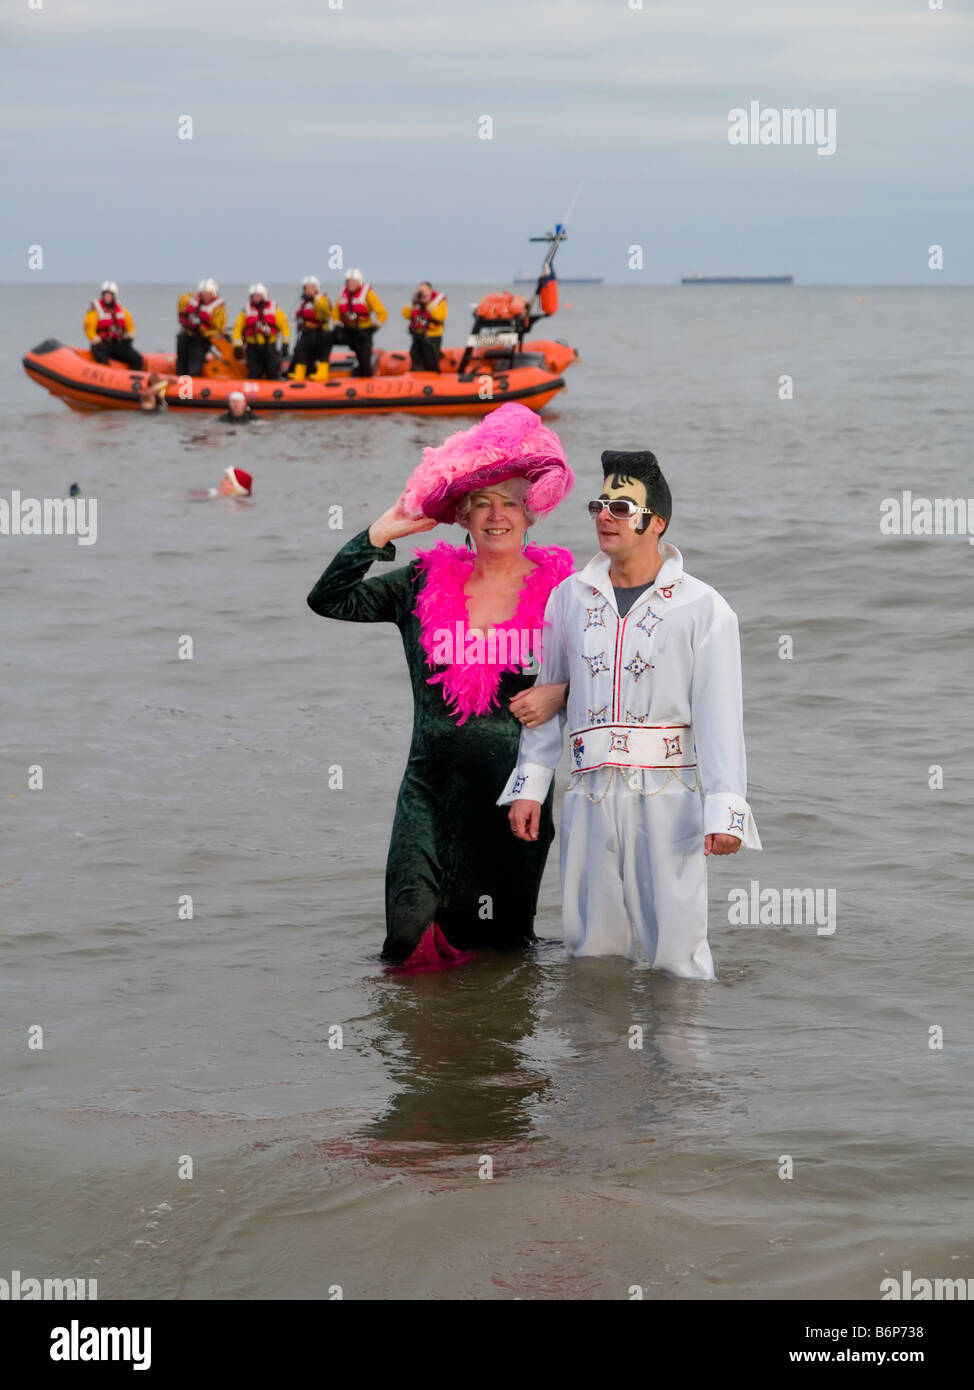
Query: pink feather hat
x=509 y=443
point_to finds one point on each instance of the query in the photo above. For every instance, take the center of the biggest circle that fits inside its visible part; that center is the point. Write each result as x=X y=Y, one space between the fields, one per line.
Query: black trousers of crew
x=424 y=353
x=313 y=346
x=191 y=349
x=360 y=341
x=263 y=362
x=119 y=351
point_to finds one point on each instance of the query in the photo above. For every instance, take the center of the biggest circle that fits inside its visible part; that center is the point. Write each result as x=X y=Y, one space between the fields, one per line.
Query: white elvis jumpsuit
x=656 y=744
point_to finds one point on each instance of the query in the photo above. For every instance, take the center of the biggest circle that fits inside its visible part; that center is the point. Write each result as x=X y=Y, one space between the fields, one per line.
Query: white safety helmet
x=207 y=287
x=111 y=286
x=355 y=275
x=236 y=396
x=258 y=289
x=311 y=280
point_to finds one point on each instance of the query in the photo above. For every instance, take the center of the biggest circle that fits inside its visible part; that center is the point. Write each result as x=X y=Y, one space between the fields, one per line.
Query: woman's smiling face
x=496 y=520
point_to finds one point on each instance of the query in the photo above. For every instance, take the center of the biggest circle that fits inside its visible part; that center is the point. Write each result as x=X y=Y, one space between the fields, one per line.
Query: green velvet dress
x=452 y=858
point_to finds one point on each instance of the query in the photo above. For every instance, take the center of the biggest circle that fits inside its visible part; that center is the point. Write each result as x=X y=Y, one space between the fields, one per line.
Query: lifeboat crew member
x=238 y=412
x=656 y=735
x=258 y=328
x=427 y=316
x=313 y=322
x=356 y=306
x=202 y=317
x=110 y=330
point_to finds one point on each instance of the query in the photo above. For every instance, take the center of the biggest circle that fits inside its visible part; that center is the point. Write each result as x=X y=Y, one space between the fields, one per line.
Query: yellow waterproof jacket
x=91 y=324
x=250 y=332
x=436 y=311
x=375 y=305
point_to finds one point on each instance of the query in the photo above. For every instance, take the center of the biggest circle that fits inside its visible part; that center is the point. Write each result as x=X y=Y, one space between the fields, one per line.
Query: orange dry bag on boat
x=501 y=306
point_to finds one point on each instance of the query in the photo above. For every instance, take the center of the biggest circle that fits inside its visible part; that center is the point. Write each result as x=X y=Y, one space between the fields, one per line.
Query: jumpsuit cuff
x=529 y=782
x=724 y=813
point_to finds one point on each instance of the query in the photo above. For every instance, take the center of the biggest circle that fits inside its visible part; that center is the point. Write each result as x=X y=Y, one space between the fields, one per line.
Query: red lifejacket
x=419 y=319
x=189 y=315
x=194 y=315
x=353 y=307
x=261 y=320
x=206 y=312
x=307 y=316
x=111 y=326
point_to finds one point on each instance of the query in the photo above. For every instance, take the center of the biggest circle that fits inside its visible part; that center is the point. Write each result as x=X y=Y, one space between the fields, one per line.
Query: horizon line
x=644 y=284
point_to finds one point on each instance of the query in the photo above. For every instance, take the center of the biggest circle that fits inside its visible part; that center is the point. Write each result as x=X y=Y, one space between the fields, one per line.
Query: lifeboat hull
x=83 y=384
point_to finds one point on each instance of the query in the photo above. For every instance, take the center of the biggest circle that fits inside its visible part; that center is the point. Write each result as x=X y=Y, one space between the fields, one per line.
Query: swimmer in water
x=238 y=412
x=235 y=483
x=153 y=397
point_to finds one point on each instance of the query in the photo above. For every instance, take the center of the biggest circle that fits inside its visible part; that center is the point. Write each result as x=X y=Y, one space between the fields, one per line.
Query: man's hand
x=721 y=844
x=525 y=819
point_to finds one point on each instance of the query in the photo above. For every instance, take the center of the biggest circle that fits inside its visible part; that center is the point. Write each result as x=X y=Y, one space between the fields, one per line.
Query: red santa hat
x=237 y=482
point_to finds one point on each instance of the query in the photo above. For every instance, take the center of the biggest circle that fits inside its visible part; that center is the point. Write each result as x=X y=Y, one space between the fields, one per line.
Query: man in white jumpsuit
x=659 y=779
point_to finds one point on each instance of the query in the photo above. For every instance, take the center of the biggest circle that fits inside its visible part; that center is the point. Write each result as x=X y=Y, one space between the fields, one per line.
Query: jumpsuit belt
x=654 y=746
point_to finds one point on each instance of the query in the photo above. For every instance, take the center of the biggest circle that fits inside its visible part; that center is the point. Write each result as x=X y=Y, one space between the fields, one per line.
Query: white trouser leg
x=634 y=875
x=594 y=917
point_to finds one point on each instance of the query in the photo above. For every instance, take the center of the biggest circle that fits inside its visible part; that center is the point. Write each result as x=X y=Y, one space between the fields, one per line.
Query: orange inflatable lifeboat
x=73 y=376
x=495 y=366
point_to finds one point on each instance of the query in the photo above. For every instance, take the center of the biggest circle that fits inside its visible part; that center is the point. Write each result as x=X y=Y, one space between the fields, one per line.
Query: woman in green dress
x=471 y=622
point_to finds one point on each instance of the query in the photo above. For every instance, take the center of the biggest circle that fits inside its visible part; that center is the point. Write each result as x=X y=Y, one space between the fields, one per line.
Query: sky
x=356 y=124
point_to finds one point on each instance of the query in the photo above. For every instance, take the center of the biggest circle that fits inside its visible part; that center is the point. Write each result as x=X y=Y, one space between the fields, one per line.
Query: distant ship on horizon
x=738 y=280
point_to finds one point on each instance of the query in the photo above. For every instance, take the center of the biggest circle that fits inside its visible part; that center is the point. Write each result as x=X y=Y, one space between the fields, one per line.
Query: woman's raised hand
x=396 y=523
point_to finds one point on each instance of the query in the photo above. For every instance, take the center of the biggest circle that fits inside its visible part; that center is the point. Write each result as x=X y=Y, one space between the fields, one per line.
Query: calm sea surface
x=315 y=1166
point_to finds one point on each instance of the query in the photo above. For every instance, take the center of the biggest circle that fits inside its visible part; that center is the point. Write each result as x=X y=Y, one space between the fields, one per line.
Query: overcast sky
x=358 y=126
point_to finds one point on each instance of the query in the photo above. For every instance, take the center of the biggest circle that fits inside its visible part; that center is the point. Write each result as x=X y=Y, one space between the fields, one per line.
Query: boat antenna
x=553 y=240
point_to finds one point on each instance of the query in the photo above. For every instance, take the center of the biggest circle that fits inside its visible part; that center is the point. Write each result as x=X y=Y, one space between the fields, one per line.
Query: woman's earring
x=469 y=542
x=524 y=543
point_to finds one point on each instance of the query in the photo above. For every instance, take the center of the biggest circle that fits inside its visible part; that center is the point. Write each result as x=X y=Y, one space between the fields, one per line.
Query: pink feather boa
x=471 y=687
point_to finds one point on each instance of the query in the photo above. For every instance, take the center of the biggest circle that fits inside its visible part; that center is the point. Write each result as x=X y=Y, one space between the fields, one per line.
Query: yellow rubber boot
x=299 y=372
x=320 y=372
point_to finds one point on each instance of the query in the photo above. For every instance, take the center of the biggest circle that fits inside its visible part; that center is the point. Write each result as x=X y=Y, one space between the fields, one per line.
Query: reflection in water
x=560 y=1052
x=639 y=1053
x=453 y=1041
